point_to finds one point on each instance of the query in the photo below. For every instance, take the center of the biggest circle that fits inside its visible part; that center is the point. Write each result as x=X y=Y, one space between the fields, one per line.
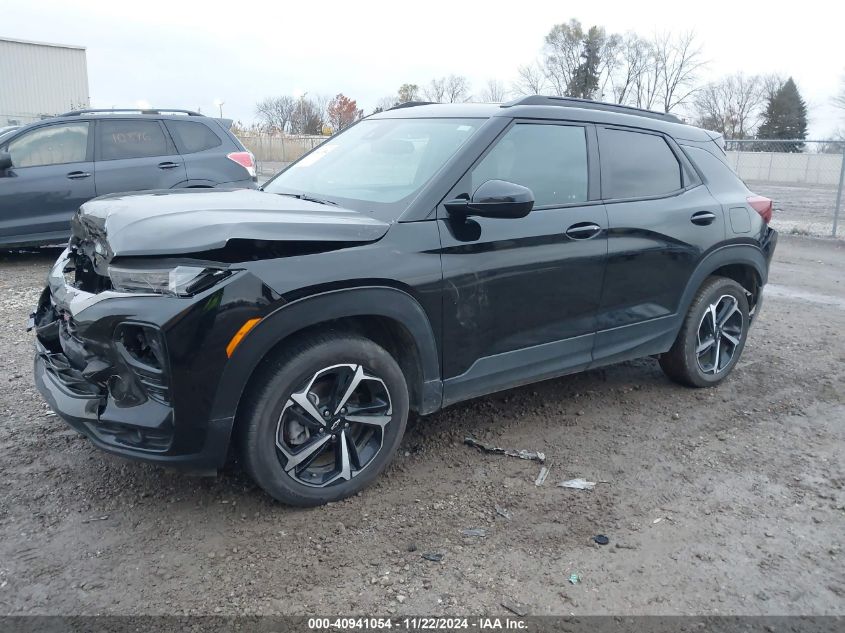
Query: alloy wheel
x=333 y=426
x=719 y=335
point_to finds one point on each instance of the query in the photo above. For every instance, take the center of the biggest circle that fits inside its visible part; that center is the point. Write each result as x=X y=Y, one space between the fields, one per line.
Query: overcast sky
x=187 y=55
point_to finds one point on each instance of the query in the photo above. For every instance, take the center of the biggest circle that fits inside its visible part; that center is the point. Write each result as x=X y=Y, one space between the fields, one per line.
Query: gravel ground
x=718 y=501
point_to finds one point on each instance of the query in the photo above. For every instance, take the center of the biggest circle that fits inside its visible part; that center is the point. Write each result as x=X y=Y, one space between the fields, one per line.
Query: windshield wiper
x=302 y=196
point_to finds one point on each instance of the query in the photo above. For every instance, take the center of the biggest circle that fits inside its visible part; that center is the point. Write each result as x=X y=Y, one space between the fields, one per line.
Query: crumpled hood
x=191 y=221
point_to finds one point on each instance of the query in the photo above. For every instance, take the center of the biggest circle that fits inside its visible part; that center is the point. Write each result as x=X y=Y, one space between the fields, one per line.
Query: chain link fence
x=804 y=178
x=272 y=153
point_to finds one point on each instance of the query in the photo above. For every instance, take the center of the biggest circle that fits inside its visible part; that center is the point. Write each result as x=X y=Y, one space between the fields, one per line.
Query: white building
x=39 y=80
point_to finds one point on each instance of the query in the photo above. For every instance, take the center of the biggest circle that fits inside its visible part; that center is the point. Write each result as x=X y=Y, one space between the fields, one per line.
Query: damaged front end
x=109 y=378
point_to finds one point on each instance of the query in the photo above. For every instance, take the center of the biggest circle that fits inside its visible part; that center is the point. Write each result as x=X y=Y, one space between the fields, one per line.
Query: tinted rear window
x=636 y=165
x=131 y=139
x=192 y=136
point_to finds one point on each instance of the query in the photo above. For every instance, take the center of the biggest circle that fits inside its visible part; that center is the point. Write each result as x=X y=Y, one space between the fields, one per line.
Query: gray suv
x=49 y=168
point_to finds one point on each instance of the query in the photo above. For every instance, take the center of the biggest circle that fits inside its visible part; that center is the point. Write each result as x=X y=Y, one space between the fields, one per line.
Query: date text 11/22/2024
x=416 y=624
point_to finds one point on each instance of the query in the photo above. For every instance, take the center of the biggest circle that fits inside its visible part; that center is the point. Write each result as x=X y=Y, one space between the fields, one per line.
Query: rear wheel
x=324 y=419
x=712 y=336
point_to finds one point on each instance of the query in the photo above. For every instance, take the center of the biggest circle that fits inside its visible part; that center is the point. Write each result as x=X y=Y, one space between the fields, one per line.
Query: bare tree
x=839 y=100
x=609 y=61
x=435 y=90
x=457 y=89
x=451 y=89
x=678 y=62
x=385 y=103
x=276 y=113
x=494 y=92
x=732 y=105
x=771 y=84
x=530 y=80
x=630 y=81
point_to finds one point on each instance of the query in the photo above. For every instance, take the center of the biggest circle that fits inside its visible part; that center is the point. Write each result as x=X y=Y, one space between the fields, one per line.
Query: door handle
x=167 y=165
x=78 y=175
x=583 y=230
x=703 y=218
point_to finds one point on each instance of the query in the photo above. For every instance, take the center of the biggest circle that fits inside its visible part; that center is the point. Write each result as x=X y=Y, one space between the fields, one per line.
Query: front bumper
x=159 y=411
x=113 y=434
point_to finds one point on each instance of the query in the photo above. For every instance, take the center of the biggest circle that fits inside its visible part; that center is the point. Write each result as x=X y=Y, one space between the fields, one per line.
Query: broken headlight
x=178 y=281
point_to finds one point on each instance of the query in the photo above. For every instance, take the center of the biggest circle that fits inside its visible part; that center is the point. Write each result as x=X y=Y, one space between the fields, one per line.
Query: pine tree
x=585 y=79
x=785 y=118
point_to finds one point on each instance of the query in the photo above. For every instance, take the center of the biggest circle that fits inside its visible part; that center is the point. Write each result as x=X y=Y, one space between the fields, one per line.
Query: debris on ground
x=541 y=477
x=536 y=456
x=601 y=539
x=474 y=532
x=515 y=607
x=574 y=579
x=434 y=557
x=503 y=512
x=578 y=484
x=92 y=519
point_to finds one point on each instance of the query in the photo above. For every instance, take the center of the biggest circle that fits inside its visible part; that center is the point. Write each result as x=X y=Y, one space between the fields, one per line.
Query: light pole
x=219 y=103
x=301 y=96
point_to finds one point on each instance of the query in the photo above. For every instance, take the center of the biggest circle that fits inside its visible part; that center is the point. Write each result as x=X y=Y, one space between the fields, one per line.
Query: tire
x=301 y=461
x=704 y=354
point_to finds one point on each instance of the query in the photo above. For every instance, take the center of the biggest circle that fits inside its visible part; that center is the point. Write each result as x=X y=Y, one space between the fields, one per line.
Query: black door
x=661 y=222
x=134 y=155
x=521 y=295
x=50 y=177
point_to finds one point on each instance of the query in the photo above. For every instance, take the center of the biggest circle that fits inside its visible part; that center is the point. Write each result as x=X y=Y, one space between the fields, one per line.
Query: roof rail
x=138 y=110
x=411 y=104
x=573 y=102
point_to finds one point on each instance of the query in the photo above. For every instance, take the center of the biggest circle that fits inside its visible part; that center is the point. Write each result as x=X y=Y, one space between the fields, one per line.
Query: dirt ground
x=719 y=501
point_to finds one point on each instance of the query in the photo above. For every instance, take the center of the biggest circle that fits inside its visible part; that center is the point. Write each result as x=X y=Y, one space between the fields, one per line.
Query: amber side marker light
x=239 y=335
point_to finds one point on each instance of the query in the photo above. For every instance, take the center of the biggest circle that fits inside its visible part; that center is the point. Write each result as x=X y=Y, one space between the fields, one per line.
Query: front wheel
x=712 y=336
x=324 y=419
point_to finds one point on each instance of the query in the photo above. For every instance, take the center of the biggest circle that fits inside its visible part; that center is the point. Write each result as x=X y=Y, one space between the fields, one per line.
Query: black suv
x=49 y=168
x=426 y=255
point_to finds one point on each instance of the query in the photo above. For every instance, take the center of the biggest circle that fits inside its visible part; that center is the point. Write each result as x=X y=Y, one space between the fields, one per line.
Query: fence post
x=839 y=191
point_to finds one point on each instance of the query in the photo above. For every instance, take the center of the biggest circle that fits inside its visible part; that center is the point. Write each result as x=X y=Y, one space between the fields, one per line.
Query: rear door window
x=551 y=160
x=131 y=138
x=637 y=165
x=192 y=136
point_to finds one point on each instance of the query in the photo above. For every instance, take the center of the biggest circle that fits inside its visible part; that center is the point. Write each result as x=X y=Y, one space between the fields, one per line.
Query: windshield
x=377 y=165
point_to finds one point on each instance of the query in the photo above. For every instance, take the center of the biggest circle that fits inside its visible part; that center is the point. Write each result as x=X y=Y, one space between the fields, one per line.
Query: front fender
x=378 y=301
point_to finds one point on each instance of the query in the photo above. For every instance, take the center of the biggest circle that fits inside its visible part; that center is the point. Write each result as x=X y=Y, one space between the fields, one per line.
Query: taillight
x=761 y=205
x=245 y=160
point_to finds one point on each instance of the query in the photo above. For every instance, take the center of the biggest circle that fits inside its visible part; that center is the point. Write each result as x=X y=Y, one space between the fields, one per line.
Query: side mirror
x=5 y=160
x=494 y=199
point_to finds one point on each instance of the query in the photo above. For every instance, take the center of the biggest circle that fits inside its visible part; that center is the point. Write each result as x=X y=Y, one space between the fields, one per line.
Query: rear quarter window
x=192 y=136
x=718 y=175
x=637 y=165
